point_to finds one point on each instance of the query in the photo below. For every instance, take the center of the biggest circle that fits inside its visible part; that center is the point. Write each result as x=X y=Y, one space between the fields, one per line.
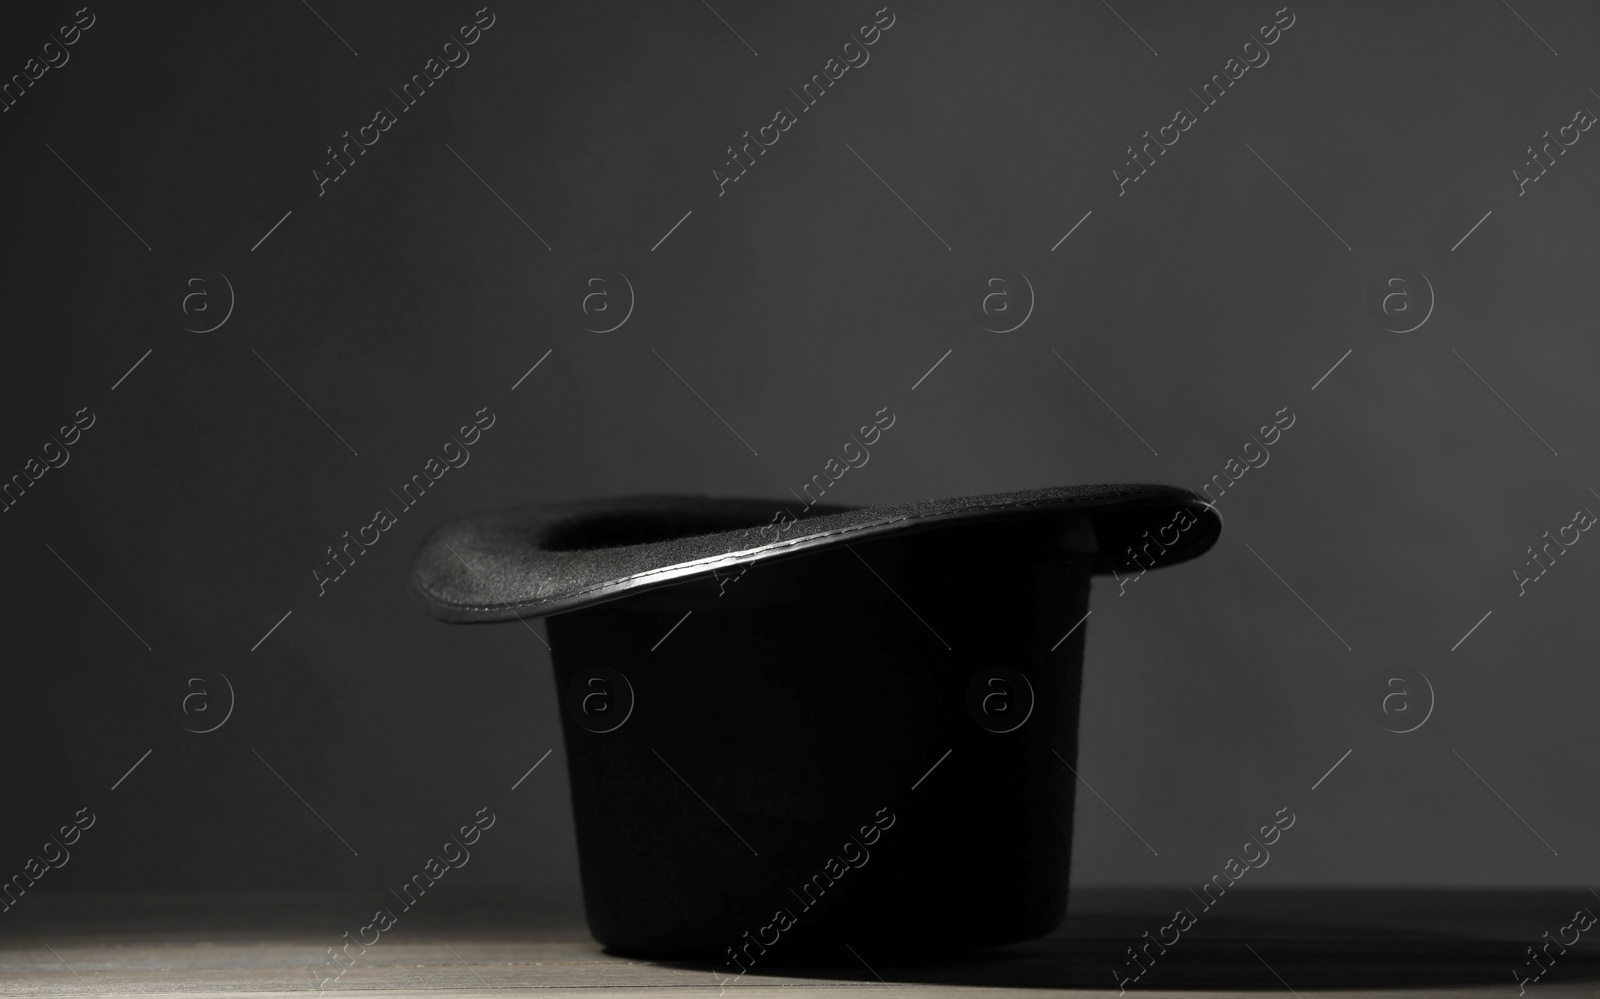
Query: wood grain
x=1370 y=943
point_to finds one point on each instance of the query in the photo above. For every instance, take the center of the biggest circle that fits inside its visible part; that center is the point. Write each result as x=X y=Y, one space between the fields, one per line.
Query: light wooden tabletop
x=1272 y=942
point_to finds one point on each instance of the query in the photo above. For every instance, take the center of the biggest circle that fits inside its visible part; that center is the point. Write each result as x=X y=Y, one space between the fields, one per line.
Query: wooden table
x=1269 y=942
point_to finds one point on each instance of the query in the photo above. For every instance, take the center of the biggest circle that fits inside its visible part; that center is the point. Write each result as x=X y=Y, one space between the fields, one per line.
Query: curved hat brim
x=537 y=560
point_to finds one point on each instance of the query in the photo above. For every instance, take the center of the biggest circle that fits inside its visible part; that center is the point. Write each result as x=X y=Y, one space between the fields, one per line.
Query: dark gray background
x=804 y=300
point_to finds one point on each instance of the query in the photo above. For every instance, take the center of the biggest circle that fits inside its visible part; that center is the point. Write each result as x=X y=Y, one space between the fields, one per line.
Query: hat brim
x=537 y=560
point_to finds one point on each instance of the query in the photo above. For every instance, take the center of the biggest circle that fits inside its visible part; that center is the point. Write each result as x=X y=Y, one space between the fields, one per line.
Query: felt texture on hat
x=535 y=560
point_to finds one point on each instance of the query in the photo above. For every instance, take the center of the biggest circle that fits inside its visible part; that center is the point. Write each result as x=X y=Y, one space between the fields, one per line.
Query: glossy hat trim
x=537 y=560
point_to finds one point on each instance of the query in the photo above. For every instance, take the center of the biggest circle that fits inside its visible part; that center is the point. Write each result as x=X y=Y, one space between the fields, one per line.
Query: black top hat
x=786 y=733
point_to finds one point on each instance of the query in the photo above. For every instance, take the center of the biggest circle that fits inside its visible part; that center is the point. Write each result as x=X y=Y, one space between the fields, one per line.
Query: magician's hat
x=784 y=732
